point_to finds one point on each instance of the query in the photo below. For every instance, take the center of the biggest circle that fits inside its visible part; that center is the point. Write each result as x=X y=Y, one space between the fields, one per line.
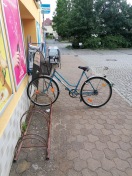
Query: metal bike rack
x=46 y=114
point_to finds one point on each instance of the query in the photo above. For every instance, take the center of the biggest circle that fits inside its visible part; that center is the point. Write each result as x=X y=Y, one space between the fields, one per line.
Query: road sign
x=45 y=8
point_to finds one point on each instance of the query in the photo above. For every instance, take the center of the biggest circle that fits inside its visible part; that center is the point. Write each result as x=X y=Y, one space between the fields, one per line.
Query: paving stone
x=102 y=172
x=112 y=145
x=55 y=173
x=79 y=164
x=98 y=126
x=89 y=146
x=108 y=126
x=123 y=154
x=126 y=132
x=89 y=127
x=130 y=161
x=75 y=132
x=71 y=154
x=130 y=151
x=98 y=155
x=65 y=165
x=100 y=145
x=115 y=138
x=107 y=164
x=110 y=154
x=104 y=138
x=116 y=132
x=71 y=139
x=121 y=164
x=77 y=145
x=23 y=166
x=109 y=121
x=81 y=138
x=96 y=132
x=118 y=127
x=100 y=121
x=84 y=154
x=79 y=126
x=72 y=172
x=129 y=171
x=106 y=132
x=93 y=164
x=13 y=173
x=127 y=126
x=124 y=145
x=87 y=172
x=116 y=172
x=85 y=132
x=92 y=138
x=92 y=122
x=83 y=121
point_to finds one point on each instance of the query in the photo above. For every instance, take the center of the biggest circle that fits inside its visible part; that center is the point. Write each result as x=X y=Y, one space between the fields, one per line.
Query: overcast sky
x=53 y=6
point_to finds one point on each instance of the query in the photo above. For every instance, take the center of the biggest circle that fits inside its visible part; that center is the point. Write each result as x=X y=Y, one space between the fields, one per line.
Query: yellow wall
x=30 y=30
x=32 y=8
x=30 y=14
x=29 y=26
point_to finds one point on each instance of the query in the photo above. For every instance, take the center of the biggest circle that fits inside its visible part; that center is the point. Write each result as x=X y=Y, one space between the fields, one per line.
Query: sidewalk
x=84 y=141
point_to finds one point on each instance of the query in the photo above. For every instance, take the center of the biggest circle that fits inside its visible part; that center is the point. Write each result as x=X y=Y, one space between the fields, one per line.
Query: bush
x=92 y=42
x=113 y=42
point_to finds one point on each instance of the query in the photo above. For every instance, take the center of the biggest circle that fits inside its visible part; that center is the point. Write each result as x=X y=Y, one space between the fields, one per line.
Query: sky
x=53 y=6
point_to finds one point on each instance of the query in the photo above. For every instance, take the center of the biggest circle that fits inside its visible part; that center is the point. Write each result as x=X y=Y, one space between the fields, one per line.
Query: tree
x=112 y=16
x=81 y=18
x=60 y=18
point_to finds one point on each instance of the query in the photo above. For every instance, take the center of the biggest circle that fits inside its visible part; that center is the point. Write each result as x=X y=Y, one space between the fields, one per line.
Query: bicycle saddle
x=84 y=68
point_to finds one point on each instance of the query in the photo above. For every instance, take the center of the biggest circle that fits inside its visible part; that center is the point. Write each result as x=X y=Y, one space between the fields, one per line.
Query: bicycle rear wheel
x=96 y=92
x=43 y=91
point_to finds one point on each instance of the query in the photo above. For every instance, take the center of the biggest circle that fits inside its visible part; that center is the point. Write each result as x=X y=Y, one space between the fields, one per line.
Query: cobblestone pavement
x=120 y=68
x=84 y=141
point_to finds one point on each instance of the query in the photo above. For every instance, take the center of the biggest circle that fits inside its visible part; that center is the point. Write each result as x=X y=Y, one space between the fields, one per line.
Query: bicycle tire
x=96 y=92
x=43 y=91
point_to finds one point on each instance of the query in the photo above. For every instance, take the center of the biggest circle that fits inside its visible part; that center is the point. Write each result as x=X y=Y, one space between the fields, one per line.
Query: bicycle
x=95 y=92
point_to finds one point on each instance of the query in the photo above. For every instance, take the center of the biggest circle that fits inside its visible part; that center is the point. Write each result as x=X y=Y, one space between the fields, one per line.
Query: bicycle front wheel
x=43 y=91
x=96 y=92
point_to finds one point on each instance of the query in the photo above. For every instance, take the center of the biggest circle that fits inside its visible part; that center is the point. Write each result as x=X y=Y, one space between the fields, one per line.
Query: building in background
x=48 y=29
x=19 y=22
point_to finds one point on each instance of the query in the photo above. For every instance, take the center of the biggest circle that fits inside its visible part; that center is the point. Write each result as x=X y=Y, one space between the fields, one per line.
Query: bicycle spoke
x=96 y=92
x=46 y=91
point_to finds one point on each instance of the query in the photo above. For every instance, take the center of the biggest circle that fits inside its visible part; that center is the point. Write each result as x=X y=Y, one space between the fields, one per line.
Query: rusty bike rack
x=47 y=115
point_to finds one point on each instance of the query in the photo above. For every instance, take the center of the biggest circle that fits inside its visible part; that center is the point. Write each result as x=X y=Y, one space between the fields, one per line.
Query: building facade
x=19 y=21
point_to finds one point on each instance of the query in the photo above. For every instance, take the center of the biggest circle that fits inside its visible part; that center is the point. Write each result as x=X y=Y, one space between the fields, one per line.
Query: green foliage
x=49 y=36
x=24 y=127
x=92 y=42
x=110 y=19
x=117 y=41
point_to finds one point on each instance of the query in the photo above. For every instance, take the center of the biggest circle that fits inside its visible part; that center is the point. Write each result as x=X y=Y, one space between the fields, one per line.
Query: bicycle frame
x=59 y=77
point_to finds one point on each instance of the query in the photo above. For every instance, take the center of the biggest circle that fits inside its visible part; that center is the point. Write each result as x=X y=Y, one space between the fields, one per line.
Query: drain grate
x=111 y=60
